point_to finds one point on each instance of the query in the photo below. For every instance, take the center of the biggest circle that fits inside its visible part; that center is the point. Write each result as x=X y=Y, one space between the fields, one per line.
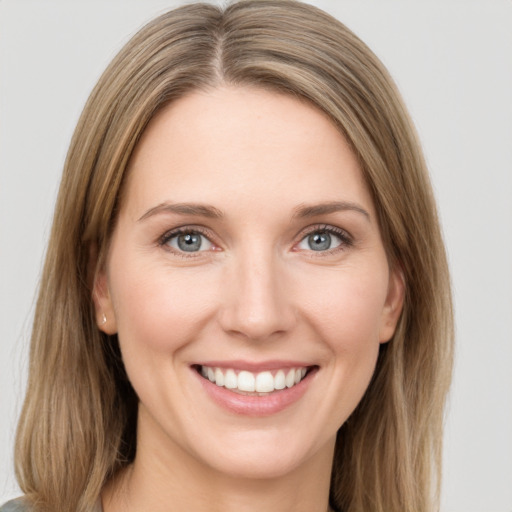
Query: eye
x=187 y=241
x=324 y=239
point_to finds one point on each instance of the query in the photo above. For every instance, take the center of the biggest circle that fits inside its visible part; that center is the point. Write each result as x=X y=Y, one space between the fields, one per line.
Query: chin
x=267 y=454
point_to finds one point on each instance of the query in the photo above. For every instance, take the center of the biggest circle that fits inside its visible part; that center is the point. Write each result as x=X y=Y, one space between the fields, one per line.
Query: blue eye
x=188 y=241
x=323 y=240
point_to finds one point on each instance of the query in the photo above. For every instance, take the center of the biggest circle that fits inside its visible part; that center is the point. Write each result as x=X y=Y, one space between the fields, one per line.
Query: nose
x=257 y=301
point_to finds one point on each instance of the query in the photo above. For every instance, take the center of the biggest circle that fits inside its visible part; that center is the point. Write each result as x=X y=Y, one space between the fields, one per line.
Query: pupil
x=319 y=241
x=189 y=242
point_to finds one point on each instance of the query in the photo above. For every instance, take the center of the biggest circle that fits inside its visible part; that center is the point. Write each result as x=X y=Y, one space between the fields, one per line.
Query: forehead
x=243 y=143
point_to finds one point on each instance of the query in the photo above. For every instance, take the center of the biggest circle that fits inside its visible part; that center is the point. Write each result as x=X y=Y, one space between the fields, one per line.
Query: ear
x=394 y=304
x=105 y=317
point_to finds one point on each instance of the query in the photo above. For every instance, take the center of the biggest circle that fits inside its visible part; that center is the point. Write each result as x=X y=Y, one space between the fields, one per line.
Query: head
x=390 y=442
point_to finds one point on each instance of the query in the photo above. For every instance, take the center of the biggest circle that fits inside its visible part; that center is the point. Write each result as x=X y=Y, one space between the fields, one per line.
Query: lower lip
x=251 y=405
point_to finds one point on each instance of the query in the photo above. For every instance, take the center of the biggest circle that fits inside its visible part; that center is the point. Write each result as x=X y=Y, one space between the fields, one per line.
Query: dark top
x=14 y=506
x=18 y=505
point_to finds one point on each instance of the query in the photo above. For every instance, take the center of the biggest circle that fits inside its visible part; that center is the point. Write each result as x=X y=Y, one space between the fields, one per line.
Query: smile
x=246 y=382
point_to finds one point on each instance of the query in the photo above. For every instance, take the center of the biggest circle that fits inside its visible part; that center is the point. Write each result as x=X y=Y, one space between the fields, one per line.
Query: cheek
x=158 y=310
x=347 y=306
x=343 y=309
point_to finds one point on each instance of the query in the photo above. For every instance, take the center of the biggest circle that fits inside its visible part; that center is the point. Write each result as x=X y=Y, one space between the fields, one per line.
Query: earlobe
x=393 y=306
x=105 y=318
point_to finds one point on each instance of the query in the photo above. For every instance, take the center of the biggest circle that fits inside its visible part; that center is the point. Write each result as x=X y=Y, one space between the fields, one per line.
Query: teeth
x=248 y=382
x=219 y=377
x=264 y=382
x=230 y=380
x=290 y=379
x=279 y=380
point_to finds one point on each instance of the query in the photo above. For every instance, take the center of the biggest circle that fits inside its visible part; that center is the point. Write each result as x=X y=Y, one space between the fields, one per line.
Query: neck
x=172 y=480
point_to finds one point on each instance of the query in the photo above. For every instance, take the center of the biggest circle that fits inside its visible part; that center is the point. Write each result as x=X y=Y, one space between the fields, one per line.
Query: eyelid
x=186 y=229
x=346 y=238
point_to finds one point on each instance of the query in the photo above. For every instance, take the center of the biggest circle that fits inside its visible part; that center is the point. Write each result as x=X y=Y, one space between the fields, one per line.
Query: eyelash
x=345 y=238
x=184 y=230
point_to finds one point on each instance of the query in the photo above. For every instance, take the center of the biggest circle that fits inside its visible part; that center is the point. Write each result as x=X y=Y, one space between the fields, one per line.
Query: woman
x=245 y=300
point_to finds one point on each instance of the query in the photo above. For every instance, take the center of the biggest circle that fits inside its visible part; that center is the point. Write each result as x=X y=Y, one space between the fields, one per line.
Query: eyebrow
x=201 y=210
x=301 y=212
x=306 y=211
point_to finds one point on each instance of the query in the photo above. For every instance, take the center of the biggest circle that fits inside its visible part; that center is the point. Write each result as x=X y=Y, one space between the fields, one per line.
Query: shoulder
x=17 y=505
x=20 y=505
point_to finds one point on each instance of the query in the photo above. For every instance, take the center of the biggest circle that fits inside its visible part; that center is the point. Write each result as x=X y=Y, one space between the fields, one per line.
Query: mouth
x=263 y=383
x=255 y=389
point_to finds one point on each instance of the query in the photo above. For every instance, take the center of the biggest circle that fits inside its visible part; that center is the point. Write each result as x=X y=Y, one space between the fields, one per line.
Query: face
x=247 y=282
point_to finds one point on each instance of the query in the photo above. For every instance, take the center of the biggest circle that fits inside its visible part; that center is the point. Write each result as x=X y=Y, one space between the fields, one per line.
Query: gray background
x=453 y=63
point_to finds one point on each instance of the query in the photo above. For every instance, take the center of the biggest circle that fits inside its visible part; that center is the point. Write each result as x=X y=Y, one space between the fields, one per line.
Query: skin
x=257 y=292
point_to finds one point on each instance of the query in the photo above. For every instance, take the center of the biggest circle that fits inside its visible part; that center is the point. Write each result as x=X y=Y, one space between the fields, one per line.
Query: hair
x=78 y=423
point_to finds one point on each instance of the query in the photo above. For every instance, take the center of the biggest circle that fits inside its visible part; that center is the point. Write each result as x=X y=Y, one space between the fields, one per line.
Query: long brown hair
x=78 y=422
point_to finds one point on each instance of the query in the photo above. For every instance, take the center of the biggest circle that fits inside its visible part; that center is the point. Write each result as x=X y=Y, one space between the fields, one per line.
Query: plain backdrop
x=452 y=61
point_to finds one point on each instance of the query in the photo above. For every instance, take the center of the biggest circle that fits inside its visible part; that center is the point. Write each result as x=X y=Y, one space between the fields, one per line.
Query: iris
x=319 y=241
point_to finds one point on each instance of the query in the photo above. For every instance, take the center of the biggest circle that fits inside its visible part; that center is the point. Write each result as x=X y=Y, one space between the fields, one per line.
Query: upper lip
x=255 y=367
